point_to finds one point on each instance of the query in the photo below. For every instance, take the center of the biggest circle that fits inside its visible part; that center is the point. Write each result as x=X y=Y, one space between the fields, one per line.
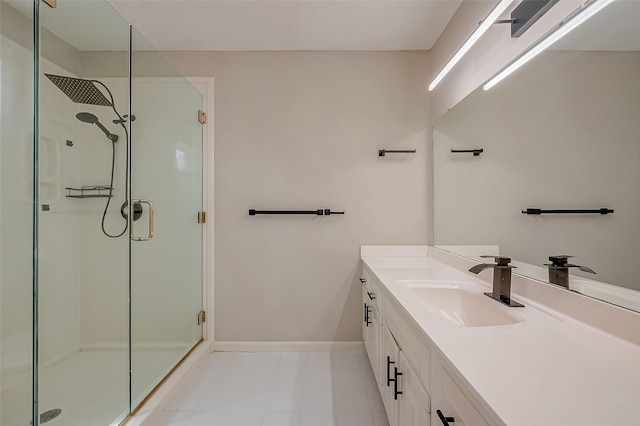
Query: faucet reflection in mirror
x=559 y=270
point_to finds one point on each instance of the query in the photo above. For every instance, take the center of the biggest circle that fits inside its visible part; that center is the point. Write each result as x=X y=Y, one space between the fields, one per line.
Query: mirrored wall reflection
x=16 y=217
x=562 y=133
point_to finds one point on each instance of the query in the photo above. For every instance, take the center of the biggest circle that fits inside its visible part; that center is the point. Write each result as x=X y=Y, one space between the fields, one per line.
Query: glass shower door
x=83 y=238
x=16 y=213
x=166 y=247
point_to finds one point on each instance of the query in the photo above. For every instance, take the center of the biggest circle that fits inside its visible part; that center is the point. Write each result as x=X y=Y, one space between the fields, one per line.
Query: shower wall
x=15 y=205
x=103 y=260
x=164 y=160
x=83 y=274
x=60 y=283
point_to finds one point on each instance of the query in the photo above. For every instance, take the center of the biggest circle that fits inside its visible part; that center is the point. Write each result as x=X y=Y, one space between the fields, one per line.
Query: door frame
x=205 y=85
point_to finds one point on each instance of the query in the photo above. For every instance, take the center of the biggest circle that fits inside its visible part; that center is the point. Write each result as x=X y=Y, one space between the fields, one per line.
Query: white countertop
x=548 y=369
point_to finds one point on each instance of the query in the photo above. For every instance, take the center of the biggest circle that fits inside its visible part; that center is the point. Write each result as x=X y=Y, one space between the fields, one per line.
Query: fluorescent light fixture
x=482 y=28
x=556 y=34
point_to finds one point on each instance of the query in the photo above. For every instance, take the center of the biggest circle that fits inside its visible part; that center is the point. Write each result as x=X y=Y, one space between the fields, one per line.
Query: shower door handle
x=150 y=234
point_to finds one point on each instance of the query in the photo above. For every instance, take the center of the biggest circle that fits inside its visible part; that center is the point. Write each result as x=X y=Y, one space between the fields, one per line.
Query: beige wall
x=301 y=130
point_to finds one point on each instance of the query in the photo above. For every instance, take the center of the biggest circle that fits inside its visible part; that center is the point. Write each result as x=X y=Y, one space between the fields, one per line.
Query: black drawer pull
x=362 y=280
x=445 y=420
x=396 y=392
x=389 y=379
x=372 y=295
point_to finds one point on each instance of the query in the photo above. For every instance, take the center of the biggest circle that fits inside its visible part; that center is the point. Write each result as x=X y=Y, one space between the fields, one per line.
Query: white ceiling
x=295 y=24
x=289 y=24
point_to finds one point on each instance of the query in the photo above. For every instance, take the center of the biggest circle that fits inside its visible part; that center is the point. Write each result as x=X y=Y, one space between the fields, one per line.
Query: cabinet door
x=367 y=326
x=390 y=352
x=413 y=404
x=375 y=355
x=454 y=403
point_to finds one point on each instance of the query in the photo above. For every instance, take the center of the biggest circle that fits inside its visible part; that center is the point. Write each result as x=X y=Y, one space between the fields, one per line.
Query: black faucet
x=559 y=270
x=501 y=279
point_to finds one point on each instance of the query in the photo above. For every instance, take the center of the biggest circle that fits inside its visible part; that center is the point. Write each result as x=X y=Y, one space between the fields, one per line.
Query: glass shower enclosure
x=100 y=185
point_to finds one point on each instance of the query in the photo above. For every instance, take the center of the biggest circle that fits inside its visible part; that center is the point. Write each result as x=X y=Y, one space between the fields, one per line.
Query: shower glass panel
x=166 y=169
x=16 y=217
x=83 y=238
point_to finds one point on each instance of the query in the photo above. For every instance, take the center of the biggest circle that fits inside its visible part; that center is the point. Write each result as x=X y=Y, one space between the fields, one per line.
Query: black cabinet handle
x=396 y=392
x=366 y=314
x=389 y=379
x=362 y=280
x=372 y=295
x=445 y=420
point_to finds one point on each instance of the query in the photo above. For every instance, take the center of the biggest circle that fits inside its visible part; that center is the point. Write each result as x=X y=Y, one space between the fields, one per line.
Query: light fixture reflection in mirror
x=564 y=28
x=475 y=36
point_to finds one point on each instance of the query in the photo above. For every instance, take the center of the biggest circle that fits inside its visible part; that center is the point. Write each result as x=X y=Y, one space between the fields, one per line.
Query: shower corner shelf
x=94 y=191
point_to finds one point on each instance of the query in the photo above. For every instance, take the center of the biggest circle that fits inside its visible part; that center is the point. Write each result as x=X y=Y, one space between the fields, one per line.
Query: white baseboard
x=286 y=346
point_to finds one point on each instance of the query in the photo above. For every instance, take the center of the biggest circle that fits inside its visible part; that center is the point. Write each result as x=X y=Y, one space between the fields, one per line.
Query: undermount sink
x=460 y=306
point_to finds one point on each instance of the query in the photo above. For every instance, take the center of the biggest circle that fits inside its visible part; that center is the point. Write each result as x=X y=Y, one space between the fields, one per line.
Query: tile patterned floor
x=276 y=389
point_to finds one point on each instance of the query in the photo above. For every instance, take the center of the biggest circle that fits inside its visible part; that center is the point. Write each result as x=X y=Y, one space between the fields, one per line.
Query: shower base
x=90 y=387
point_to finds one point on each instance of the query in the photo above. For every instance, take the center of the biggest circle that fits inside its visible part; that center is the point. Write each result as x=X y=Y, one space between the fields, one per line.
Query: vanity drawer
x=373 y=289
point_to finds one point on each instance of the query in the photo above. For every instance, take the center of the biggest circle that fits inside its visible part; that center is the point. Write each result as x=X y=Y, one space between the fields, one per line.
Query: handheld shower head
x=87 y=117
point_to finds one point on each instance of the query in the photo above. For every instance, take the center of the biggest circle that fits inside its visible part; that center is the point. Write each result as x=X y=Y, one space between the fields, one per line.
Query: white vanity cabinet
x=412 y=377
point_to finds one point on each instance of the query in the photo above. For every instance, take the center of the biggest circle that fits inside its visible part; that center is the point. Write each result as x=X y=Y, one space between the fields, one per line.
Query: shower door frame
x=206 y=86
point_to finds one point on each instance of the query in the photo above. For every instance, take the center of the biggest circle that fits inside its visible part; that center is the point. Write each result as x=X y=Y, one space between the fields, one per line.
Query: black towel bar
x=578 y=211
x=318 y=212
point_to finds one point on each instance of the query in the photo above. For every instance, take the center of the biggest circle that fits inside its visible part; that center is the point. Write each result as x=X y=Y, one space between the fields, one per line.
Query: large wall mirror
x=561 y=133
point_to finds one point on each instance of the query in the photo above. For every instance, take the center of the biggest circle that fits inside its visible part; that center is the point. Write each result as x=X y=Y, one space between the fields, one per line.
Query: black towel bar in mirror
x=384 y=152
x=475 y=152
x=576 y=211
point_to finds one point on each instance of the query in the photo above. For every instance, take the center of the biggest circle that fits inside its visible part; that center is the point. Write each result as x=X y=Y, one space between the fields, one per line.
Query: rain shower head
x=79 y=90
x=87 y=117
